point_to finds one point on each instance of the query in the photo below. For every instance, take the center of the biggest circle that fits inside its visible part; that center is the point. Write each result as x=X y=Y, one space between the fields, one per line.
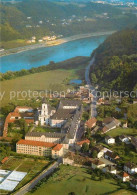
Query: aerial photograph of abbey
x=68 y=97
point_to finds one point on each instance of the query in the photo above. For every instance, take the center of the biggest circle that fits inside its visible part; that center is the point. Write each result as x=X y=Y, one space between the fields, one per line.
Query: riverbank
x=54 y=43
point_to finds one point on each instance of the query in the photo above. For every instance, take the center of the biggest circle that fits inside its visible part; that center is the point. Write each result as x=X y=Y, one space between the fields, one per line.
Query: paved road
x=32 y=184
x=87 y=79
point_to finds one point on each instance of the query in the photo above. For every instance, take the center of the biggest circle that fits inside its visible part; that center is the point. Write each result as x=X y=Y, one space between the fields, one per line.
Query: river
x=42 y=56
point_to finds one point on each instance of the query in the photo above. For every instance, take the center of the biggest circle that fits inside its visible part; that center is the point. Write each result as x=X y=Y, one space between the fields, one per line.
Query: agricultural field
x=120 y=131
x=50 y=80
x=29 y=165
x=73 y=179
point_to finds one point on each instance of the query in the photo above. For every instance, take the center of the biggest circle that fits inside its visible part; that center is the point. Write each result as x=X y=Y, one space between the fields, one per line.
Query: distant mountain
x=116 y=61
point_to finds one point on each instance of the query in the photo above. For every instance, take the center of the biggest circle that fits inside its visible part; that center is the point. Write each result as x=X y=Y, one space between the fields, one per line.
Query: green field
x=120 y=131
x=54 y=80
x=73 y=179
x=46 y=129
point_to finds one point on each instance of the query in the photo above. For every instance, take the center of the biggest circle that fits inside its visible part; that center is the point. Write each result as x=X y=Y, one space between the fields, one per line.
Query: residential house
x=124 y=139
x=109 y=140
x=110 y=169
x=100 y=150
x=123 y=176
x=111 y=156
x=109 y=124
x=97 y=164
x=80 y=143
x=91 y=123
x=130 y=168
x=71 y=158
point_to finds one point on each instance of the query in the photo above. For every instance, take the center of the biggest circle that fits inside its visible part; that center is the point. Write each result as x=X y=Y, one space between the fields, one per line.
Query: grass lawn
x=120 y=131
x=46 y=129
x=29 y=165
x=54 y=80
x=73 y=179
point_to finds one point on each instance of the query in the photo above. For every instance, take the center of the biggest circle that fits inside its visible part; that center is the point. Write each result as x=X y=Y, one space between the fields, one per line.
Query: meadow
x=120 y=131
x=73 y=179
x=50 y=80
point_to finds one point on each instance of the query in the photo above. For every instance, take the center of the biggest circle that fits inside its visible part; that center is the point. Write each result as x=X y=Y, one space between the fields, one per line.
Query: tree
x=85 y=147
x=94 y=78
x=94 y=154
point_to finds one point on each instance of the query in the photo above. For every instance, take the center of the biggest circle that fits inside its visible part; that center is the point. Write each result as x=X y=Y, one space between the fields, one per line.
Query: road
x=32 y=184
x=91 y=88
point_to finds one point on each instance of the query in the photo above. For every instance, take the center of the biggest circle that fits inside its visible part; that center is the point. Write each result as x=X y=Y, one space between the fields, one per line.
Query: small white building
x=109 y=140
x=130 y=168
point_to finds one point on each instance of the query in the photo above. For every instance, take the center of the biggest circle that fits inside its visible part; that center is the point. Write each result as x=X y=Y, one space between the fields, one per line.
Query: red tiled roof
x=57 y=147
x=91 y=122
x=36 y=143
x=4 y=160
x=83 y=141
x=125 y=174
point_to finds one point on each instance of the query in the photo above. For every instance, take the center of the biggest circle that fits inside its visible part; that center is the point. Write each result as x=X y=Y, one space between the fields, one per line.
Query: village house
x=124 y=139
x=111 y=156
x=123 y=176
x=109 y=140
x=39 y=148
x=133 y=183
x=110 y=169
x=130 y=168
x=109 y=124
x=91 y=123
x=100 y=150
x=79 y=144
x=97 y=164
x=73 y=159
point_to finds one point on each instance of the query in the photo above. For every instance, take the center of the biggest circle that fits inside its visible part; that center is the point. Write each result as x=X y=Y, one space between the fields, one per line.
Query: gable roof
x=123 y=174
x=83 y=141
x=91 y=122
x=63 y=114
x=36 y=143
x=65 y=102
x=112 y=155
x=57 y=147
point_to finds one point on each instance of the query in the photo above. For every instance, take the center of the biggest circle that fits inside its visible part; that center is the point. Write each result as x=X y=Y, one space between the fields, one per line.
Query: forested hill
x=41 y=17
x=116 y=62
